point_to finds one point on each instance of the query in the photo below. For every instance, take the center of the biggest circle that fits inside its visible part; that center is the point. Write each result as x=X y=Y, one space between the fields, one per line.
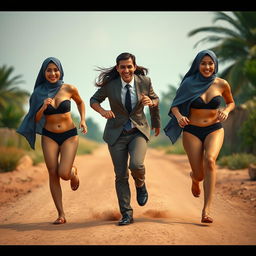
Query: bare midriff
x=203 y=117
x=59 y=122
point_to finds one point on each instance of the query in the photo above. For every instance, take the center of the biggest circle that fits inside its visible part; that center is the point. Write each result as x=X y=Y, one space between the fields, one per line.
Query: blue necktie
x=128 y=101
x=128 y=106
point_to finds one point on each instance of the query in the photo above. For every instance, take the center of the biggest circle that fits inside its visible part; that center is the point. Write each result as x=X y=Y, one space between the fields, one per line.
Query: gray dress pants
x=132 y=147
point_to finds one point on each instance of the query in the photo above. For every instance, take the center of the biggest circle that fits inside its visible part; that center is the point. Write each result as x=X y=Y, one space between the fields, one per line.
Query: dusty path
x=171 y=216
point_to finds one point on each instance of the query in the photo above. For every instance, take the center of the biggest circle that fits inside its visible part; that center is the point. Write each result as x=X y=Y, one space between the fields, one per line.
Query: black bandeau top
x=63 y=107
x=214 y=103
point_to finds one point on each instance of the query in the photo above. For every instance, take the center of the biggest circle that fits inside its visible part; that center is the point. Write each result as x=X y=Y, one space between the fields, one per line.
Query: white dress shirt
x=133 y=93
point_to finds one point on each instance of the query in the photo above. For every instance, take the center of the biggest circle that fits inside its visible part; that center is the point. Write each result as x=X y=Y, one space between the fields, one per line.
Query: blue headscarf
x=43 y=89
x=192 y=86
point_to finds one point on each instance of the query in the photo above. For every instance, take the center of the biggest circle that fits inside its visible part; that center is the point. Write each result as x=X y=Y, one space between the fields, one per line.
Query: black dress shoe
x=126 y=220
x=142 y=195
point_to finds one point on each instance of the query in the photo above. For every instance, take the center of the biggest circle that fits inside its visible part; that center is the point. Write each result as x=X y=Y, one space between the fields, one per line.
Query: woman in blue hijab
x=49 y=115
x=196 y=112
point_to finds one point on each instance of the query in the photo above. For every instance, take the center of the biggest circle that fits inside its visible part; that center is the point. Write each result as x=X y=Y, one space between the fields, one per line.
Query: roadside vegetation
x=235 y=46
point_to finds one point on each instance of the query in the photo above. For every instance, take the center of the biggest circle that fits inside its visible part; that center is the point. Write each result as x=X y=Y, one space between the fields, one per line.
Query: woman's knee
x=65 y=173
x=210 y=162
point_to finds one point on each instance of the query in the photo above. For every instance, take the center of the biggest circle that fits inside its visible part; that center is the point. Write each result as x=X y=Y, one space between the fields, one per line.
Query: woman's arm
x=230 y=103
x=40 y=112
x=81 y=108
x=182 y=120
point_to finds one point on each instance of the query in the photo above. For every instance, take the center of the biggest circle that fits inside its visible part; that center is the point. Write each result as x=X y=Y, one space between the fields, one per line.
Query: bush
x=13 y=146
x=237 y=161
x=176 y=148
x=9 y=158
x=36 y=156
x=86 y=146
x=248 y=131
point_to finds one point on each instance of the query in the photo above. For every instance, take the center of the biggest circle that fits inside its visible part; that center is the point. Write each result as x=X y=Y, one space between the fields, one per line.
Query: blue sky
x=84 y=40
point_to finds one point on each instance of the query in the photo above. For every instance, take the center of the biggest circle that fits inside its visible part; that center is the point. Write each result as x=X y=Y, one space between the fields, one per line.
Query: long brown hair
x=109 y=74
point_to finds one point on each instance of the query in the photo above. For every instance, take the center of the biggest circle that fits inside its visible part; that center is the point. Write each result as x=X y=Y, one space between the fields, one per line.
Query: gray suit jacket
x=114 y=126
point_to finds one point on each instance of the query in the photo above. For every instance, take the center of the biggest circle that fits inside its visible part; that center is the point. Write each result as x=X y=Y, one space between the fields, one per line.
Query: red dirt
x=171 y=216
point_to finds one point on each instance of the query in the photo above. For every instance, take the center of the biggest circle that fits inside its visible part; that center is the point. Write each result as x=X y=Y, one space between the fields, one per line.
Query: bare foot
x=206 y=218
x=60 y=220
x=195 y=186
x=74 y=182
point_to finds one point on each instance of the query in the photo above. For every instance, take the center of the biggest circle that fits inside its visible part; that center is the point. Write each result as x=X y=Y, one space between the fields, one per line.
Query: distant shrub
x=248 y=131
x=14 y=146
x=176 y=148
x=86 y=146
x=237 y=161
x=10 y=138
x=9 y=158
x=36 y=156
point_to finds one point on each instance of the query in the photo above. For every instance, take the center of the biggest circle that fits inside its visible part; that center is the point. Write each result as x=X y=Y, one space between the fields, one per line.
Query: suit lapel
x=117 y=91
x=138 y=91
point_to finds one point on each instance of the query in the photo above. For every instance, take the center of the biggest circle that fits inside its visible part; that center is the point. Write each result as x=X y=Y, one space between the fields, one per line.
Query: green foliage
x=235 y=44
x=36 y=156
x=9 y=158
x=93 y=133
x=160 y=141
x=248 y=130
x=11 y=116
x=176 y=148
x=165 y=101
x=16 y=146
x=237 y=161
x=12 y=98
x=10 y=138
x=8 y=92
x=250 y=70
x=86 y=146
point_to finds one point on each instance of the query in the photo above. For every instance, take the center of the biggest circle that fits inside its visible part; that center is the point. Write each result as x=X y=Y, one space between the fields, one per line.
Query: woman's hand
x=222 y=115
x=44 y=106
x=183 y=121
x=83 y=127
x=47 y=102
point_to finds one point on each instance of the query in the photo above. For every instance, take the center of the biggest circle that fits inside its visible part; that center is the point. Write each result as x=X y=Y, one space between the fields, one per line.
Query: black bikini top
x=63 y=107
x=214 y=103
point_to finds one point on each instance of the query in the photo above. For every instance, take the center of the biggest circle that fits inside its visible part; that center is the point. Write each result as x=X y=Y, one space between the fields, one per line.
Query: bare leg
x=51 y=152
x=194 y=149
x=66 y=169
x=212 y=145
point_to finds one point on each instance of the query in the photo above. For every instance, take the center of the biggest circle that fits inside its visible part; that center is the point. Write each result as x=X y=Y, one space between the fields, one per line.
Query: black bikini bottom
x=60 y=137
x=201 y=132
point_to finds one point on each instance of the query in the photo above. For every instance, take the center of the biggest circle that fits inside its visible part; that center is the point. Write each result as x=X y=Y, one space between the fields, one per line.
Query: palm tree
x=11 y=98
x=11 y=116
x=9 y=93
x=236 y=45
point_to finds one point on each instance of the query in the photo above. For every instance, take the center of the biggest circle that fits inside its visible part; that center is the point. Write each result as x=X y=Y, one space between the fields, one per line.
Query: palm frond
x=215 y=29
x=208 y=39
x=236 y=45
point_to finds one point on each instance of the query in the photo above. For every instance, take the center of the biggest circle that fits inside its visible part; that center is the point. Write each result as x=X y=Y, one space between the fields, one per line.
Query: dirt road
x=171 y=216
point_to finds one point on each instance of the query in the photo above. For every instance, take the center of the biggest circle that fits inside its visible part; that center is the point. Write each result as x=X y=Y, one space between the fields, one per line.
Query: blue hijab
x=192 y=86
x=42 y=90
